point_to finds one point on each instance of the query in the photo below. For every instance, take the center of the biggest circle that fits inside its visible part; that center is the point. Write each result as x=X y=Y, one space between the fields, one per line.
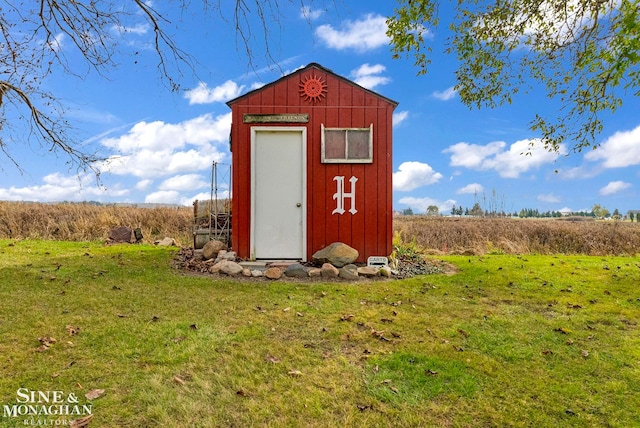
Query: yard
x=507 y=340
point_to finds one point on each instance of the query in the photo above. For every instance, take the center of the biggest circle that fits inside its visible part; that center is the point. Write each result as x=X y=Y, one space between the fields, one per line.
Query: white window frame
x=324 y=159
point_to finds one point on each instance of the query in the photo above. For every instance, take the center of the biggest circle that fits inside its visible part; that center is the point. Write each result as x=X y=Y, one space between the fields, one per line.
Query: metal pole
x=213 y=178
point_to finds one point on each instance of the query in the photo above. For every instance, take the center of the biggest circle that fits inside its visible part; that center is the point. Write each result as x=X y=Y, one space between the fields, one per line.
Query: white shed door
x=279 y=181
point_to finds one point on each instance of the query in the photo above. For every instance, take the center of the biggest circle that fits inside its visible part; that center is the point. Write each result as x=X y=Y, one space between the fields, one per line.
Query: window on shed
x=347 y=145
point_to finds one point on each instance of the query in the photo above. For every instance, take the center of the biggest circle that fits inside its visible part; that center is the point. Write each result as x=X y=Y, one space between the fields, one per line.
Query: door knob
x=298 y=205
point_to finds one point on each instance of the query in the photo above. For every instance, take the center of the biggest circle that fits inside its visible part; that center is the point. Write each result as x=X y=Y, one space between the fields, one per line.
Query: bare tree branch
x=33 y=34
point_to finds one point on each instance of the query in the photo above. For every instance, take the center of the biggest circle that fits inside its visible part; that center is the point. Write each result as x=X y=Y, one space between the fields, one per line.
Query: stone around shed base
x=337 y=253
x=368 y=271
x=296 y=270
x=329 y=271
x=349 y=272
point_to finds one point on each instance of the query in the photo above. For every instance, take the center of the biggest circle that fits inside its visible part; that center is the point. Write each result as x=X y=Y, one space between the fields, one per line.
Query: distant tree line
x=597 y=212
x=535 y=213
x=477 y=211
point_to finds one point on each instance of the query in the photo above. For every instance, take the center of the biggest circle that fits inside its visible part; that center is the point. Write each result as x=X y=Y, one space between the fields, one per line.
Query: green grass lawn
x=506 y=341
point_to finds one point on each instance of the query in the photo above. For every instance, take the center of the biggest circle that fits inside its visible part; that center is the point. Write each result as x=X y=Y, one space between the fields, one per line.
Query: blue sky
x=160 y=144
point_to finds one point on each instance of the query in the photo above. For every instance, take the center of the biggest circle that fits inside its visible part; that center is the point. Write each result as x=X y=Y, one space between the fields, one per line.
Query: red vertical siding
x=386 y=244
x=320 y=224
x=326 y=172
x=374 y=189
x=359 y=220
x=385 y=191
x=345 y=169
x=345 y=105
x=241 y=182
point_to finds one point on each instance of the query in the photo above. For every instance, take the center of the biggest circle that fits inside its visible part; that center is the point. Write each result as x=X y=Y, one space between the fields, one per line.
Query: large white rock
x=228 y=267
x=338 y=254
x=212 y=248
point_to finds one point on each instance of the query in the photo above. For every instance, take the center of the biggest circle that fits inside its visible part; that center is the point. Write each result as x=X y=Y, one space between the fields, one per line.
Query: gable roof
x=316 y=66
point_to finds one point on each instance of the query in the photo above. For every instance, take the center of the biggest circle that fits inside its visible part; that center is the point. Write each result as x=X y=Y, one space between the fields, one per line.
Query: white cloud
x=578 y=172
x=143 y=184
x=310 y=14
x=470 y=189
x=549 y=197
x=157 y=149
x=367 y=69
x=184 y=182
x=362 y=35
x=222 y=194
x=411 y=175
x=191 y=160
x=472 y=155
x=550 y=23
x=614 y=187
x=159 y=135
x=163 y=197
x=420 y=205
x=620 y=150
x=204 y=196
x=445 y=95
x=57 y=43
x=559 y=24
x=202 y=94
x=58 y=187
x=178 y=198
x=399 y=117
x=368 y=76
x=520 y=157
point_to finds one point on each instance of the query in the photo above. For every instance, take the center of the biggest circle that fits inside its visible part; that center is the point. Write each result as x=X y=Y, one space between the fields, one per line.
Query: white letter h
x=340 y=195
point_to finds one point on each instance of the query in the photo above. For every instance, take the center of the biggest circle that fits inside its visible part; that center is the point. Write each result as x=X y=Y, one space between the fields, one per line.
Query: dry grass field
x=86 y=222
x=456 y=235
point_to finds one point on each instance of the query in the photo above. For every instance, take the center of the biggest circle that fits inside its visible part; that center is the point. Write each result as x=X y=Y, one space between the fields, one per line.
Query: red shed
x=311 y=162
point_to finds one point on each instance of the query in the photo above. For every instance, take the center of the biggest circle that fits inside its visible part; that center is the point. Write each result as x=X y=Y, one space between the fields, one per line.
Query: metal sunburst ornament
x=313 y=88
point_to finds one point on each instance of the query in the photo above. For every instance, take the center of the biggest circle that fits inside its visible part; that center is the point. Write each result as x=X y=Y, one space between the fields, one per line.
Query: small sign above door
x=276 y=118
